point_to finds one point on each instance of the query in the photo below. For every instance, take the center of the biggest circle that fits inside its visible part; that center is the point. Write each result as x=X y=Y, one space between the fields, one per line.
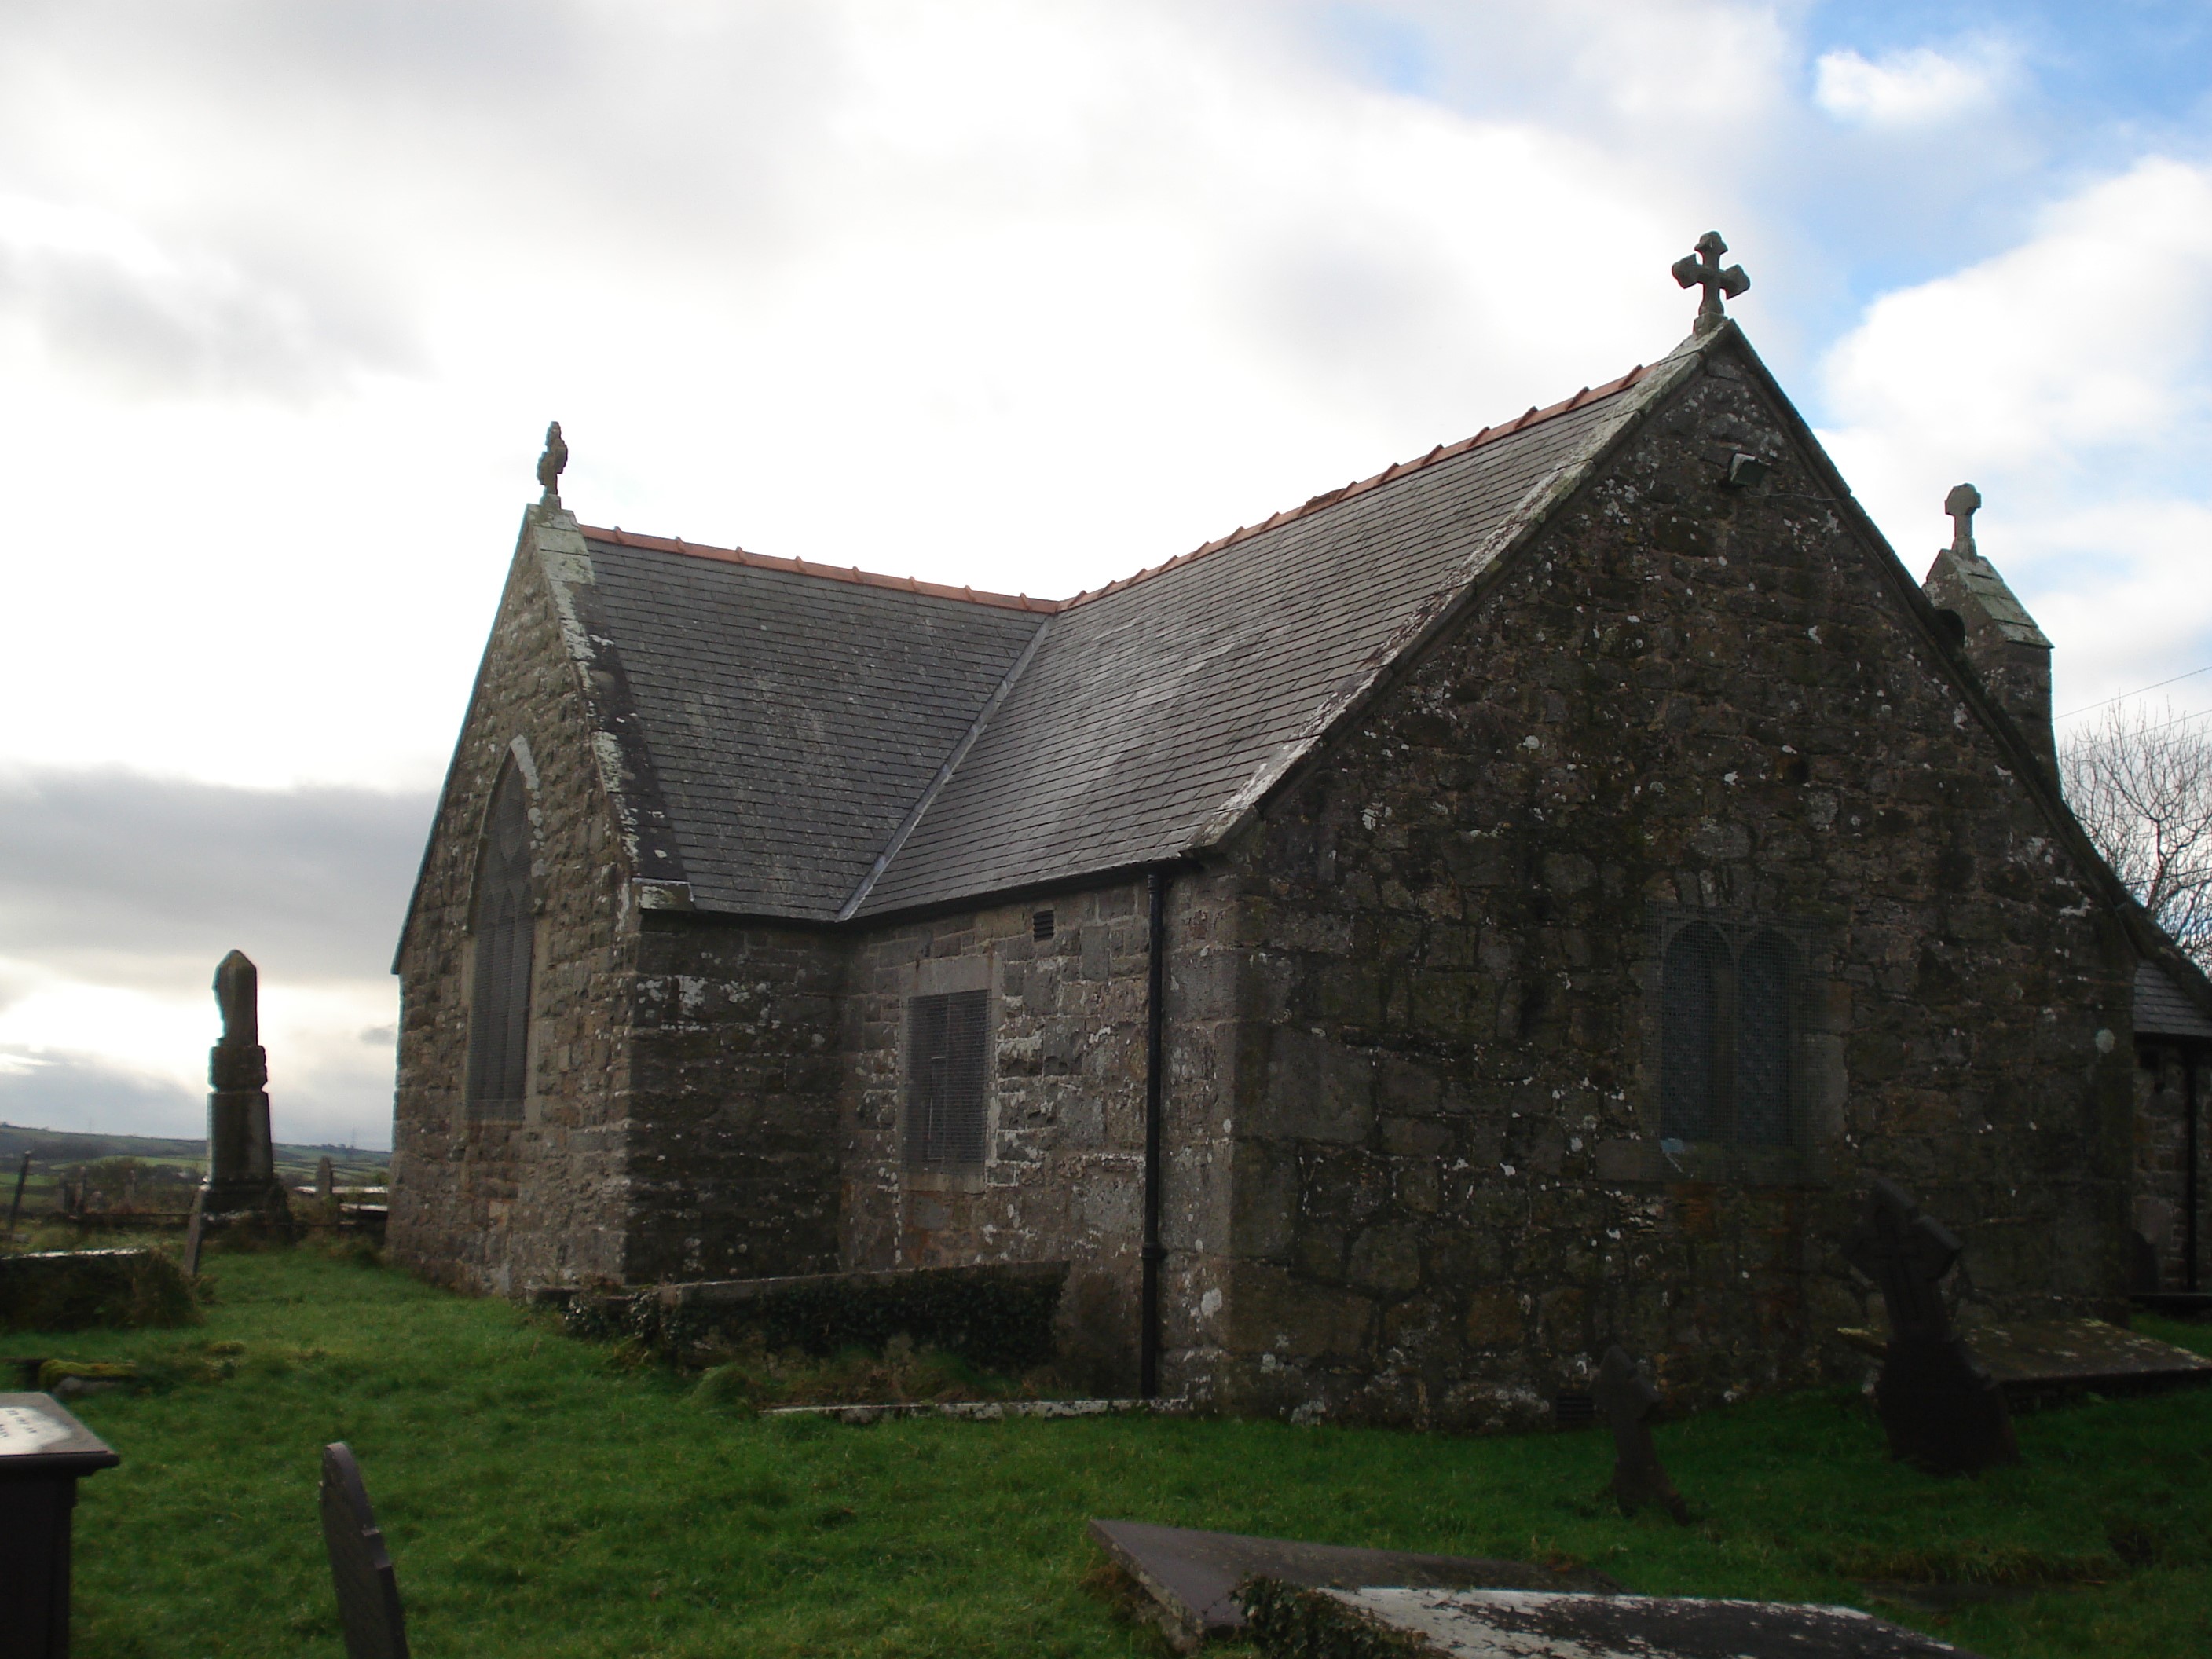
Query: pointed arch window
x=505 y=927
x=1728 y=1019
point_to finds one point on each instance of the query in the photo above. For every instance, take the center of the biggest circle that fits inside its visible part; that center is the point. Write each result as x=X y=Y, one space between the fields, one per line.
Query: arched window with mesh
x=505 y=931
x=1766 y=978
x=1692 y=975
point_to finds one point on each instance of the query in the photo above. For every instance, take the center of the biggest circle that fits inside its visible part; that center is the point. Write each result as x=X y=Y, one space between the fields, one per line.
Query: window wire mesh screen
x=1690 y=1035
x=947 y=1078
x=499 y=1013
x=1765 y=970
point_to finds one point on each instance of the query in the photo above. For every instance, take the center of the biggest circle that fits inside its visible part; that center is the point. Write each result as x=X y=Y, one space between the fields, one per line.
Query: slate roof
x=827 y=744
x=1153 y=710
x=2163 y=1009
x=793 y=721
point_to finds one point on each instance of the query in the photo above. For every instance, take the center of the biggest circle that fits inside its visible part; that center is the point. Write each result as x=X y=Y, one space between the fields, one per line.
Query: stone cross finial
x=1962 y=504
x=552 y=464
x=1703 y=269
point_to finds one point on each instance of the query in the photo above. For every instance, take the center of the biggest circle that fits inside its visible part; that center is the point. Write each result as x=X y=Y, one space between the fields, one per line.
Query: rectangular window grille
x=947 y=1087
x=1041 y=925
x=1728 y=1018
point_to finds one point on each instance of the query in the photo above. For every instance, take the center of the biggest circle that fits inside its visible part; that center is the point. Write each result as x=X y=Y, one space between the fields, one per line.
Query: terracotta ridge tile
x=851 y=574
x=1531 y=416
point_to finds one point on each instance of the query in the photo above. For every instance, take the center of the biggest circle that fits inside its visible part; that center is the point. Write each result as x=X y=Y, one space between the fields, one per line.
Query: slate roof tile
x=797 y=715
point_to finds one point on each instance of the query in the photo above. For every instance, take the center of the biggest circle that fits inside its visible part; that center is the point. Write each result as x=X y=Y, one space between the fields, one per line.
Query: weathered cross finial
x=552 y=464
x=1703 y=269
x=1960 y=504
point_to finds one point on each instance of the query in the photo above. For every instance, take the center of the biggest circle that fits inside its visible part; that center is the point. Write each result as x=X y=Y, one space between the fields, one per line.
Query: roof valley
x=944 y=772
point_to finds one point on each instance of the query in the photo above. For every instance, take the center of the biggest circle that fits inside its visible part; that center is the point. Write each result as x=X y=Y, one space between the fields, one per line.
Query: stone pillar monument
x=241 y=1175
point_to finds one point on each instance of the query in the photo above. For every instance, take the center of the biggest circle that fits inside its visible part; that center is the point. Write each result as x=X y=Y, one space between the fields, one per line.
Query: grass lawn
x=540 y=1501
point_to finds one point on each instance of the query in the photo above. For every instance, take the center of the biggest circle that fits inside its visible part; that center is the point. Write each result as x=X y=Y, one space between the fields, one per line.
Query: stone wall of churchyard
x=733 y=1101
x=1063 y=1174
x=505 y=1205
x=2162 y=1163
x=1681 y=701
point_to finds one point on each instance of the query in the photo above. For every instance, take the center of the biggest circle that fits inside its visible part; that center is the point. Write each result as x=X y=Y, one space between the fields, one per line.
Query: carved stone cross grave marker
x=361 y=1567
x=1941 y=1410
x=1627 y=1400
x=1703 y=269
x=241 y=1175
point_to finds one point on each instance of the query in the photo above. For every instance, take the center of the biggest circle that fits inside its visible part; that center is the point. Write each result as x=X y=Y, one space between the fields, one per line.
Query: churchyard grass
x=541 y=1499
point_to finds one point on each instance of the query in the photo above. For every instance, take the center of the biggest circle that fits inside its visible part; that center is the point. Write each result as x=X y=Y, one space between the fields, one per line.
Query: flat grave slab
x=1488 y=1623
x=1192 y=1575
x=2028 y=1357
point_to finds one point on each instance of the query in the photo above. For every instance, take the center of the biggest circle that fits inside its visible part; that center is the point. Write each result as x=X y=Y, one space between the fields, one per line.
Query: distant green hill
x=55 y=1150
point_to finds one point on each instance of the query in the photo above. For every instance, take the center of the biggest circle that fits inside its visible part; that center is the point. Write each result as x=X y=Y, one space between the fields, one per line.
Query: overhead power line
x=2086 y=707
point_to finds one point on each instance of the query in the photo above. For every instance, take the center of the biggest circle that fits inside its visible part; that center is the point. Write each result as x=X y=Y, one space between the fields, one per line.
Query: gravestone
x=361 y=1567
x=1627 y=1401
x=242 y=1178
x=44 y=1453
x=1192 y=1575
x=1291 y=1623
x=1941 y=1409
x=195 y=1230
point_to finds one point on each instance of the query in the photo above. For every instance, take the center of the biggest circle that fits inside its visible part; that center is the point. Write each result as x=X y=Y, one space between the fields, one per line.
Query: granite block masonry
x=1588 y=861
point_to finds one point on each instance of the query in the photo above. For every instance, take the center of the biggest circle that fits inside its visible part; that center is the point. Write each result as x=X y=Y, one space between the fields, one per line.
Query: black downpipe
x=2191 y=1059
x=1148 y=1333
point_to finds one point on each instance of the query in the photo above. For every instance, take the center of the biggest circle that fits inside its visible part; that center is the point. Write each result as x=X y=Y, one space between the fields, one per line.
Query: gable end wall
x=500 y=1206
x=1678 y=699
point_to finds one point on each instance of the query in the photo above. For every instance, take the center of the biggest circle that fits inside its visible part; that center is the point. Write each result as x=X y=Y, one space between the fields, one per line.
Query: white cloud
x=2066 y=377
x=1919 y=87
x=1021 y=297
x=71 y=1054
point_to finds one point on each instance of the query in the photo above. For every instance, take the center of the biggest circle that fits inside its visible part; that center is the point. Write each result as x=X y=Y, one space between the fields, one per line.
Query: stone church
x=1509 y=904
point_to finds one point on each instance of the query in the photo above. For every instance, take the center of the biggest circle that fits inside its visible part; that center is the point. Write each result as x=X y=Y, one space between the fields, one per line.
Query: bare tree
x=2141 y=784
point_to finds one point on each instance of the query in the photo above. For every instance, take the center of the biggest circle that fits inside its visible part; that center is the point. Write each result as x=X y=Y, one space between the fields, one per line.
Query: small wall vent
x=1571 y=1409
x=1041 y=925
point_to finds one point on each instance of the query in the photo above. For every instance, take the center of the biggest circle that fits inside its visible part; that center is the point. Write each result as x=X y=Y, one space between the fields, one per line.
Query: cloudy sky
x=1025 y=296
